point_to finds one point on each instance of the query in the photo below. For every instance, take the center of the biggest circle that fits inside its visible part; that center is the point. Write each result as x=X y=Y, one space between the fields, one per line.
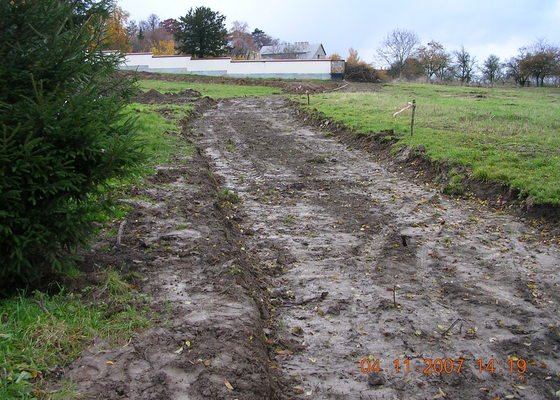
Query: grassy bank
x=510 y=136
x=40 y=333
x=214 y=90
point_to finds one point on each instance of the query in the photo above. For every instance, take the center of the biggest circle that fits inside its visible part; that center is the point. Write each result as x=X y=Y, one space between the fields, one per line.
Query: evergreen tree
x=202 y=33
x=62 y=131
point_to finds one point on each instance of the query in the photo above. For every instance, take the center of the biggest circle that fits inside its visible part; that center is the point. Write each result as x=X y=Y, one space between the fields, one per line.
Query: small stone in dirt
x=421 y=148
x=376 y=379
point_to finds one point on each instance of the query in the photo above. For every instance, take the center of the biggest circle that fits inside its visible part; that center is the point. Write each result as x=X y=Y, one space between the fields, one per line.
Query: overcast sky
x=484 y=27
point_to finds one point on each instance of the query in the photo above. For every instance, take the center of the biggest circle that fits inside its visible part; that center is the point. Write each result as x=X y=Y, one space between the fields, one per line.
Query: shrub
x=361 y=72
x=62 y=132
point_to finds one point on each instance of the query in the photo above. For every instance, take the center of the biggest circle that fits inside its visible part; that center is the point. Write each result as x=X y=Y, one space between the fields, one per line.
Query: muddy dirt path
x=206 y=342
x=364 y=263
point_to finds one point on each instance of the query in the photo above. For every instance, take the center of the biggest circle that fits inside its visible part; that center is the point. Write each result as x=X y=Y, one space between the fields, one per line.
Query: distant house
x=296 y=51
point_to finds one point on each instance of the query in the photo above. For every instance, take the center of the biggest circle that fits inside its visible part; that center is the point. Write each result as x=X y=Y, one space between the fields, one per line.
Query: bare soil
x=346 y=233
x=330 y=257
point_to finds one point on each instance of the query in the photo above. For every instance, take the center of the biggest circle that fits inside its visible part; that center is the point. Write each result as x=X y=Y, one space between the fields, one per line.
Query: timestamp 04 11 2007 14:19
x=430 y=366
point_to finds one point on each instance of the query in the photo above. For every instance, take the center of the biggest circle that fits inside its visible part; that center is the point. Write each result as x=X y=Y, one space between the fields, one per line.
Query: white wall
x=303 y=69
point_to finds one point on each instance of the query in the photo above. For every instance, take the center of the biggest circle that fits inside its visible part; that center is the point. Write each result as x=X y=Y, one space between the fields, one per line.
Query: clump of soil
x=152 y=96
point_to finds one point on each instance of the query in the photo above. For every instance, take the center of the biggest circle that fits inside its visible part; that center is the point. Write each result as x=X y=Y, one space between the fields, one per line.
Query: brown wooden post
x=307 y=97
x=412 y=118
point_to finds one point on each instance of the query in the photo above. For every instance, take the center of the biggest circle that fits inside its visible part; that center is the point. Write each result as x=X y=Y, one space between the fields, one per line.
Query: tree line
x=537 y=64
x=201 y=32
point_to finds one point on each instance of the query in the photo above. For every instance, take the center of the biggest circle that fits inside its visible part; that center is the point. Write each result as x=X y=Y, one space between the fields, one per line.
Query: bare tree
x=397 y=47
x=465 y=64
x=492 y=69
x=240 y=40
x=540 y=60
x=434 y=59
x=153 y=22
x=516 y=69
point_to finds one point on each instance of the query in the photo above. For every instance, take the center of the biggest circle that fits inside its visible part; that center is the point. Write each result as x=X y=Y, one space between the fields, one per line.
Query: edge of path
x=416 y=165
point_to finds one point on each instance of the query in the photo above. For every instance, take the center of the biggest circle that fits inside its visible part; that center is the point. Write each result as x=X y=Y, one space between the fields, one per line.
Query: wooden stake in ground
x=412 y=118
x=409 y=105
x=307 y=93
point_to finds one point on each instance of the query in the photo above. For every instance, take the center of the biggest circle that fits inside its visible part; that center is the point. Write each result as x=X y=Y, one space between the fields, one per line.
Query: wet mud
x=366 y=264
x=286 y=264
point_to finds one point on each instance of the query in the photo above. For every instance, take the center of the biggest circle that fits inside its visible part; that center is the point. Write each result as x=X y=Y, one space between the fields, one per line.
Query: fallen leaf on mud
x=440 y=326
x=519 y=387
x=418 y=332
x=441 y=394
x=297 y=330
x=228 y=385
x=558 y=393
x=493 y=339
x=109 y=362
x=298 y=389
x=510 y=396
x=313 y=360
x=179 y=350
x=285 y=352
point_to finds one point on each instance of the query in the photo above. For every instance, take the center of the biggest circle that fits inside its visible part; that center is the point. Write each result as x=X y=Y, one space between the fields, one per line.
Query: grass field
x=214 y=90
x=510 y=136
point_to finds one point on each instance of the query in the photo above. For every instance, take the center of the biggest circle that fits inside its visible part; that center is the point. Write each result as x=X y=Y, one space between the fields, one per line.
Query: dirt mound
x=152 y=96
x=307 y=87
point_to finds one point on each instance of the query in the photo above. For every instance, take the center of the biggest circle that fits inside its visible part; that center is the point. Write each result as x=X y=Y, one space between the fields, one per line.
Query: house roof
x=293 y=48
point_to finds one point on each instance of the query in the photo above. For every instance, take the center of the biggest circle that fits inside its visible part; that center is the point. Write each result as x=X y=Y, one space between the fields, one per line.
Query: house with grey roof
x=294 y=51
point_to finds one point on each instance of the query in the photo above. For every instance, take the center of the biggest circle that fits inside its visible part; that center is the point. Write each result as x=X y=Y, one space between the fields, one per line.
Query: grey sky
x=482 y=26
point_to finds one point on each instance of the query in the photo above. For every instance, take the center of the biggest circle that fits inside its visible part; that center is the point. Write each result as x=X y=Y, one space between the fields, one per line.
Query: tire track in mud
x=343 y=238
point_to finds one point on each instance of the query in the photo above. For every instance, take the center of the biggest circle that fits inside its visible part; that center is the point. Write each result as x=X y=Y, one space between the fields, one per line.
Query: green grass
x=161 y=140
x=213 y=90
x=41 y=332
x=505 y=135
x=161 y=136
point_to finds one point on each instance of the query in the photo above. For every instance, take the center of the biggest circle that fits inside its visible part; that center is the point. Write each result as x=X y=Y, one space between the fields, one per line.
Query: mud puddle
x=368 y=268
